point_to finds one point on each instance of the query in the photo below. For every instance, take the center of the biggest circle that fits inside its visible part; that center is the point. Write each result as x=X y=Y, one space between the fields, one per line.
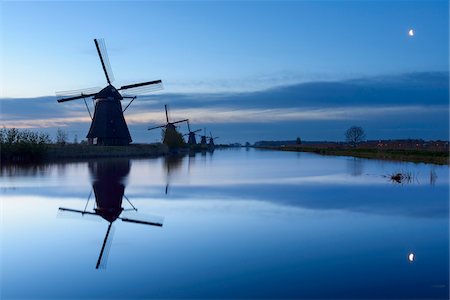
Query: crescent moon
x=411 y=32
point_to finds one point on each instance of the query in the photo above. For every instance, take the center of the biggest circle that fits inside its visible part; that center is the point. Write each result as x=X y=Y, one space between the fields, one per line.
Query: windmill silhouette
x=172 y=138
x=203 y=140
x=192 y=141
x=108 y=125
x=108 y=178
x=211 y=144
x=172 y=163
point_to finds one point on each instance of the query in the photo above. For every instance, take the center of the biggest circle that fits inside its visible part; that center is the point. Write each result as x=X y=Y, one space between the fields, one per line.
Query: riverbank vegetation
x=25 y=146
x=440 y=157
x=18 y=146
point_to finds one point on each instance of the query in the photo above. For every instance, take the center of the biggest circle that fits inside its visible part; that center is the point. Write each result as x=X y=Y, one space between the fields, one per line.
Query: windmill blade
x=189 y=126
x=195 y=133
x=73 y=214
x=167 y=115
x=76 y=211
x=142 y=88
x=136 y=85
x=104 y=252
x=103 y=54
x=159 y=224
x=141 y=216
x=151 y=128
x=64 y=96
x=179 y=121
x=75 y=98
x=191 y=132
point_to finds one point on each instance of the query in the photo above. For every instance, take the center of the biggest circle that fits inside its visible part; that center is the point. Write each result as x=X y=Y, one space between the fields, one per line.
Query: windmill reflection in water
x=108 y=183
x=172 y=164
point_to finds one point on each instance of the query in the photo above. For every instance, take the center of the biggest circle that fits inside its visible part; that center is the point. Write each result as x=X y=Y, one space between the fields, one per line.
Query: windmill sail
x=142 y=88
x=104 y=59
x=64 y=96
x=106 y=247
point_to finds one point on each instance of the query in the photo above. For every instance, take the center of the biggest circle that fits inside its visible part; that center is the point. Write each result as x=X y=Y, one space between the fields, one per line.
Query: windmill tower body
x=211 y=144
x=171 y=135
x=108 y=183
x=191 y=140
x=172 y=138
x=204 y=141
x=108 y=125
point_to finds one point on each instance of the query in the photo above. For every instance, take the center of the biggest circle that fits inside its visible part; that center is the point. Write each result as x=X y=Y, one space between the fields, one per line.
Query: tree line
x=24 y=145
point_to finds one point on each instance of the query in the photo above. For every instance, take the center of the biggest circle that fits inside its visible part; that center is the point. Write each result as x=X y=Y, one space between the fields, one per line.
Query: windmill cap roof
x=109 y=92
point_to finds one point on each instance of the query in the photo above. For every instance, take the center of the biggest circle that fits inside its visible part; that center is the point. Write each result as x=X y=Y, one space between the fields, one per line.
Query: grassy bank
x=417 y=156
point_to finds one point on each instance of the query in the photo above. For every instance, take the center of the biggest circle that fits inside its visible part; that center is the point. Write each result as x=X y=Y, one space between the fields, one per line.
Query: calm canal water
x=236 y=224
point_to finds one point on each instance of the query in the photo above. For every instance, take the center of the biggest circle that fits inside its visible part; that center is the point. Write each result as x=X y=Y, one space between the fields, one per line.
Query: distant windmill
x=108 y=125
x=192 y=141
x=172 y=138
x=211 y=140
x=203 y=141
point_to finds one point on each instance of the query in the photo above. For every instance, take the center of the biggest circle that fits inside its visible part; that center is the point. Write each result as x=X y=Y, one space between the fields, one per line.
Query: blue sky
x=208 y=50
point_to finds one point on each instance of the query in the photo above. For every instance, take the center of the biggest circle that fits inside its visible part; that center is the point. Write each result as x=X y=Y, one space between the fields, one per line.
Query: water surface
x=236 y=224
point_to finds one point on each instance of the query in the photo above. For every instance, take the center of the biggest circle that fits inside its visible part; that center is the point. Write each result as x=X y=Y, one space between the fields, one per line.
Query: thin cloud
x=235 y=115
x=44 y=123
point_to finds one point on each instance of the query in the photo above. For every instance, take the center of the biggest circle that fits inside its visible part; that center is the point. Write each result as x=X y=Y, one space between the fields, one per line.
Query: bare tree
x=61 y=137
x=355 y=135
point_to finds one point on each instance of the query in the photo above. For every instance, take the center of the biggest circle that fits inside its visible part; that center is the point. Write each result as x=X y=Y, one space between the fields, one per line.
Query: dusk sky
x=246 y=70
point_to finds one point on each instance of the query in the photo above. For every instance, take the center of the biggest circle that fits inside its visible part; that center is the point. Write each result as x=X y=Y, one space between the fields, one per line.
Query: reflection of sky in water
x=237 y=224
